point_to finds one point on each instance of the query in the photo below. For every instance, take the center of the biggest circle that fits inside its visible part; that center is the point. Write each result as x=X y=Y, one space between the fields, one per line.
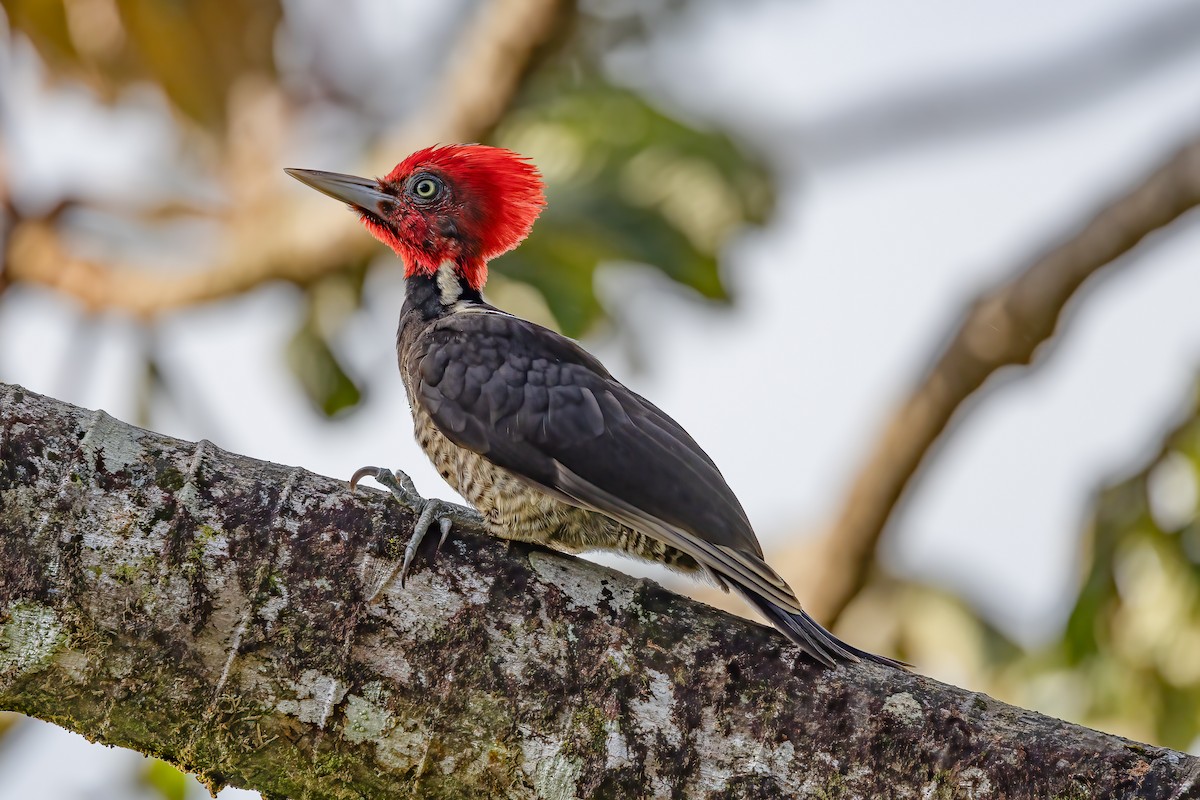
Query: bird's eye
x=425 y=187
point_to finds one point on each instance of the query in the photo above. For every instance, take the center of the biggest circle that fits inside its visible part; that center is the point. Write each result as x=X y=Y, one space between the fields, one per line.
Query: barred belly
x=512 y=509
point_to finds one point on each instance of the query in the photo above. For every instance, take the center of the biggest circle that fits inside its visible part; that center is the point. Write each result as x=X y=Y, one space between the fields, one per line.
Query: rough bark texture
x=217 y=611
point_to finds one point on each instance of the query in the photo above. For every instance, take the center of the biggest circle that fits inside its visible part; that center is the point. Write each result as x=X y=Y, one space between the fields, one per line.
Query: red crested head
x=457 y=203
x=465 y=204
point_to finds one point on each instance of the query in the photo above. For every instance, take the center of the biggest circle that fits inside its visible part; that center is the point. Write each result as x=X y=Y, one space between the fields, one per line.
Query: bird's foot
x=446 y=514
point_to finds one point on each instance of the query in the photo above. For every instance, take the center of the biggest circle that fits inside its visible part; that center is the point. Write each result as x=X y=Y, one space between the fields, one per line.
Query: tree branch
x=231 y=616
x=276 y=241
x=1006 y=326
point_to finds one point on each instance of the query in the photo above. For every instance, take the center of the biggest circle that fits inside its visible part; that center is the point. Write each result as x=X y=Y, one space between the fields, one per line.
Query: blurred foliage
x=1132 y=644
x=626 y=183
x=165 y=781
x=321 y=375
x=194 y=50
x=311 y=357
x=1128 y=659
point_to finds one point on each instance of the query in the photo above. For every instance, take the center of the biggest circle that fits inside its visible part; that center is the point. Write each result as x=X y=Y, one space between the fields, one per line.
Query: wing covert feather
x=533 y=402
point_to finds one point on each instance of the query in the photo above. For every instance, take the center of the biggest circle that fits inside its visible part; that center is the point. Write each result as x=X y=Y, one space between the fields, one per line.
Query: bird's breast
x=511 y=507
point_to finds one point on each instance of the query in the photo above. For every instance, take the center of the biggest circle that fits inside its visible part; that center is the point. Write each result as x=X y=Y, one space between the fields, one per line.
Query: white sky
x=841 y=302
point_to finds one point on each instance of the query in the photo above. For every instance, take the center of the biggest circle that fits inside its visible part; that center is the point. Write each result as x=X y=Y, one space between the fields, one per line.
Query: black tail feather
x=806 y=633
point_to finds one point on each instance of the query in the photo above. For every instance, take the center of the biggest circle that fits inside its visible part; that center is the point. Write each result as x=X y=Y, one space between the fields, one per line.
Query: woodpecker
x=523 y=422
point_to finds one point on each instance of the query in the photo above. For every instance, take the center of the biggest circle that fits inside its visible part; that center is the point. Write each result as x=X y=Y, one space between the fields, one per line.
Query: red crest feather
x=495 y=196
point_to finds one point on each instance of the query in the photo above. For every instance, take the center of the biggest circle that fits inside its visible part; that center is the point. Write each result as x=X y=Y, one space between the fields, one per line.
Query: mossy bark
x=238 y=618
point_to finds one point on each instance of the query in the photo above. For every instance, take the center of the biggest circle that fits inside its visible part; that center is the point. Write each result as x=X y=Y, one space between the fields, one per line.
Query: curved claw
x=405 y=491
x=428 y=511
x=363 y=472
x=398 y=483
x=446 y=515
x=445 y=523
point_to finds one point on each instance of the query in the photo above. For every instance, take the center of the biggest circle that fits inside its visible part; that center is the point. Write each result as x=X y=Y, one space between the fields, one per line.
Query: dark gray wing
x=535 y=403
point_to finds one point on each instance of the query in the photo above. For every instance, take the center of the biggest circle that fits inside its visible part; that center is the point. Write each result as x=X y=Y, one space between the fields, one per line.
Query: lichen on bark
x=240 y=619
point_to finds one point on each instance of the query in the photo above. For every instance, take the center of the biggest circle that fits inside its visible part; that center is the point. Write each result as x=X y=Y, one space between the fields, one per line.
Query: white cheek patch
x=449 y=286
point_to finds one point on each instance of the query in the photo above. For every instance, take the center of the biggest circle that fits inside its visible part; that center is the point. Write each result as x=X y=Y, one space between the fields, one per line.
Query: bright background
x=918 y=153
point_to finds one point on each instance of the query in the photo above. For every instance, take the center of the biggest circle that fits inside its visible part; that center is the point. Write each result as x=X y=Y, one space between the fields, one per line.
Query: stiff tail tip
x=806 y=633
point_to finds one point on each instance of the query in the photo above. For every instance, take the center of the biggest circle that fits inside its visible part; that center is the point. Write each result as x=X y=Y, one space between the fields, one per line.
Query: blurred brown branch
x=8 y=218
x=1003 y=327
x=278 y=243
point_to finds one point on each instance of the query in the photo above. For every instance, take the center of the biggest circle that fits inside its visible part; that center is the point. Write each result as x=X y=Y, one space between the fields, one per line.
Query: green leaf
x=314 y=364
x=168 y=782
x=1133 y=638
x=626 y=183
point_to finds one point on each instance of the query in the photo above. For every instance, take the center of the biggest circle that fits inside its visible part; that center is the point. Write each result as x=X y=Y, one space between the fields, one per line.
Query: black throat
x=439 y=294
